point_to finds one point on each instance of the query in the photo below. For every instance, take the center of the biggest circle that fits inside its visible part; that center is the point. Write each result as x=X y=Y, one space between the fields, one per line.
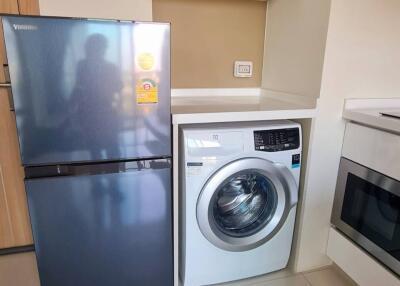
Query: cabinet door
x=9 y=6
x=15 y=229
x=3 y=59
x=6 y=7
x=28 y=7
x=23 y=7
x=14 y=220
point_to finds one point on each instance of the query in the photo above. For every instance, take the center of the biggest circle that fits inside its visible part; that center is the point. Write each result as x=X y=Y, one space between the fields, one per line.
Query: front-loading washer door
x=245 y=203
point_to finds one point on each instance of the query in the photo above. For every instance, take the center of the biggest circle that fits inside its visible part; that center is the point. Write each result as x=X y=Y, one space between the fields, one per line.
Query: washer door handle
x=291 y=185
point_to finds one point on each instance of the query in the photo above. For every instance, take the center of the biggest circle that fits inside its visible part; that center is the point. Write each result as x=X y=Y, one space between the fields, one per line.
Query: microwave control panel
x=277 y=139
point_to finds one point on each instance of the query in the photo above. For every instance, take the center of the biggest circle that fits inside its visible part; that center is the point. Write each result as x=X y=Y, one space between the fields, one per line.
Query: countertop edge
x=360 y=111
x=216 y=117
x=357 y=116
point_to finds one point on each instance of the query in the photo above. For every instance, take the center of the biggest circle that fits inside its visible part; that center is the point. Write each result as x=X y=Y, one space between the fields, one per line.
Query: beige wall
x=209 y=35
x=116 y=9
x=362 y=60
x=295 y=46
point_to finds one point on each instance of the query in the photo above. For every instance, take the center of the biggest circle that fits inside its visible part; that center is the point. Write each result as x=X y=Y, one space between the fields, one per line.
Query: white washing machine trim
x=287 y=193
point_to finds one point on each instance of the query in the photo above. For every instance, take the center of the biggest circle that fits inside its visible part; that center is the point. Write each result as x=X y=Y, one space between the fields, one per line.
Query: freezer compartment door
x=108 y=229
x=89 y=90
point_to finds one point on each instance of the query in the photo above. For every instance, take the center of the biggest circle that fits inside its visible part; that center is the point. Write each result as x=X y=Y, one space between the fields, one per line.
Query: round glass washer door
x=245 y=203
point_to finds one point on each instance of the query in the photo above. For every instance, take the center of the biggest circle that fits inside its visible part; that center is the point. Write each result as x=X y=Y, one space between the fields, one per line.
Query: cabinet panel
x=3 y=59
x=6 y=233
x=28 y=7
x=15 y=225
x=9 y=6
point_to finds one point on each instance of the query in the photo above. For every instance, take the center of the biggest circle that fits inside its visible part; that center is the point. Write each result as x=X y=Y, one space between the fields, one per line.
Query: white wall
x=294 y=46
x=140 y=10
x=362 y=60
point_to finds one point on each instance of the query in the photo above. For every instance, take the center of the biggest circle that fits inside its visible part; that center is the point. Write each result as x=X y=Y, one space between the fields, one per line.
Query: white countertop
x=368 y=112
x=206 y=109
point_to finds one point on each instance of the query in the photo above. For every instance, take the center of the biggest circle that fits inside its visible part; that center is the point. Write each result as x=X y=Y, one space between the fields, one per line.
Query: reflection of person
x=98 y=83
x=95 y=100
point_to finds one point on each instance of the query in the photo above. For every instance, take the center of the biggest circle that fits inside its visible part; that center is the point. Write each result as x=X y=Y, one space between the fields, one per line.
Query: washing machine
x=238 y=195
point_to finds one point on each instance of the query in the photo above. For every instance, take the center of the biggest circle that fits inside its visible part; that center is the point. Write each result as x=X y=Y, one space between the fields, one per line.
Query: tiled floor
x=18 y=270
x=330 y=276
x=21 y=270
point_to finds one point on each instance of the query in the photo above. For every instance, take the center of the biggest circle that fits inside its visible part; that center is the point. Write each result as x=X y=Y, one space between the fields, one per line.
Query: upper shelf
x=207 y=109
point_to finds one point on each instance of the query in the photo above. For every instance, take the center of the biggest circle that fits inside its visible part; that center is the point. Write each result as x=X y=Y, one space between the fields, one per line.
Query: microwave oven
x=367 y=199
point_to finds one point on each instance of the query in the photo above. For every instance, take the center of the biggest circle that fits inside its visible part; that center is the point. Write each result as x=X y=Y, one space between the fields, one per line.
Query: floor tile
x=19 y=270
x=259 y=279
x=296 y=280
x=331 y=276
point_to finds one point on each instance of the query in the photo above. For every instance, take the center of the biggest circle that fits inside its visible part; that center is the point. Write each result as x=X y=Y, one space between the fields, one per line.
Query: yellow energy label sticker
x=146 y=91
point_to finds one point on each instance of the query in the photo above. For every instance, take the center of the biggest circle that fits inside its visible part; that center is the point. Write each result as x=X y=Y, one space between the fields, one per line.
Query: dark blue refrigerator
x=92 y=106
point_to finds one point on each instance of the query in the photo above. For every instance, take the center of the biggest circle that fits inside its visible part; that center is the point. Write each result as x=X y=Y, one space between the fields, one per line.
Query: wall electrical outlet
x=243 y=69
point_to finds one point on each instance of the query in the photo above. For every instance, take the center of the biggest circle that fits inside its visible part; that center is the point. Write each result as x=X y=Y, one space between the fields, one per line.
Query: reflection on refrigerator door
x=102 y=222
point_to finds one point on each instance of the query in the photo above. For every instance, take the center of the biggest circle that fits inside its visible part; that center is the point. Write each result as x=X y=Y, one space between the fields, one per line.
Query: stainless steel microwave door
x=108 y=229
x=367 y=209
x=89 y=90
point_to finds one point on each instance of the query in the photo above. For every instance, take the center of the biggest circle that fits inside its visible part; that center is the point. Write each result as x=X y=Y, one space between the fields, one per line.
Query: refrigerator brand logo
x=25 y=27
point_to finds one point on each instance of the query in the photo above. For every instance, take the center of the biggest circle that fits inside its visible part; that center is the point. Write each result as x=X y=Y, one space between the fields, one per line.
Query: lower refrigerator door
x=105 y=229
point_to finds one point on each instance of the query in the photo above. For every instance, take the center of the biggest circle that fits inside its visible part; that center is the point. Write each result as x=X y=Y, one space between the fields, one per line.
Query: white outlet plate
x=243 y=69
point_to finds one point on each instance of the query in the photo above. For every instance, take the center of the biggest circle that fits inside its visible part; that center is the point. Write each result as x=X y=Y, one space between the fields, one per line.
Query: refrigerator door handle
x=95 y=169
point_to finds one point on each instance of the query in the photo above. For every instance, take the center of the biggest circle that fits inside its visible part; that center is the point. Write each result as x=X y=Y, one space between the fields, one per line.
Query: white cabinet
x=356 y=263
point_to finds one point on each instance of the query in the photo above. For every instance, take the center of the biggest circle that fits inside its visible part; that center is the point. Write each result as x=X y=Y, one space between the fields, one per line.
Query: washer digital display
x=277 y=139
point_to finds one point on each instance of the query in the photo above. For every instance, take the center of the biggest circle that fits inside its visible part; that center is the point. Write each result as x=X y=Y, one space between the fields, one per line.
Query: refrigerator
x=92 y=105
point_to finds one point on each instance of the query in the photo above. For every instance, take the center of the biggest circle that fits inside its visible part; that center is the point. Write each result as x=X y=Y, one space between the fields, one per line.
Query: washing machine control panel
x=277 y=139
